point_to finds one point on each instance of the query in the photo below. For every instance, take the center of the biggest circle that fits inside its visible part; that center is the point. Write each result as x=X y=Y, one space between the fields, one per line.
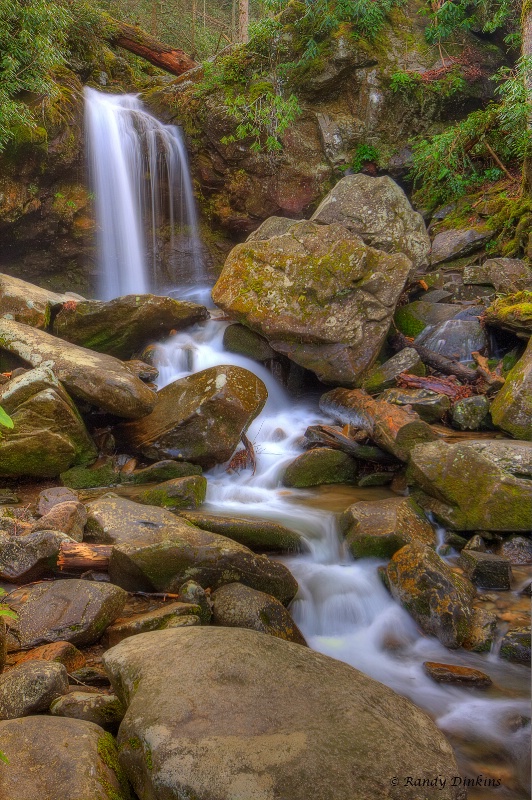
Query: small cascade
x=141 y=181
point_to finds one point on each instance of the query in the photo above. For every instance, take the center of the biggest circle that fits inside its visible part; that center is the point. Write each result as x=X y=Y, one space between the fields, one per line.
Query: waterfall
x=141 y=181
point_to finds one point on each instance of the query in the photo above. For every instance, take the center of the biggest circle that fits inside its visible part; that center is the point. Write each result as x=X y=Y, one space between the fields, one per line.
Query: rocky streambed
x=278 y=553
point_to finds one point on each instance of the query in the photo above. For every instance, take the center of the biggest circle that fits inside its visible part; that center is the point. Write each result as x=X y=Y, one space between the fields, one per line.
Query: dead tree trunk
x=526 y=52
x=137 y=41
x=243 y=20
x=80 y=557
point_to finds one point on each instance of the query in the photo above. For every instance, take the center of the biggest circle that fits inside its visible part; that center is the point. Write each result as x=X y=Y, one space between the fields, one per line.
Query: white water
x=141 y=181
x=342 y=606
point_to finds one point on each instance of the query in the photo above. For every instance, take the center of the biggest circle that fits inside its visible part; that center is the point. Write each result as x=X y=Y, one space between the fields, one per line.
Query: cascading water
x=140 y=179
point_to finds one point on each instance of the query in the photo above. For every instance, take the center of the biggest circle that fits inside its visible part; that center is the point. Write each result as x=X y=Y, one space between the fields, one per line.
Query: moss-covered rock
x=430 y=406
x=474 y=485
x=471 y=413
x=91 y=478
x=384 y=375
x=512 y=408
x=379 y=528
x=259 y=535
x=239 y=339
x=29 y=556
x=121 y=327
x=451 y=244
x=177 y=493
x=160 y=471
x=512 y=313
x=104 y=710
x=318 y=294
x=485 y=569
x=412 y=318
x=319 y=466
x=168 y=616
x=515 y=646
x=25 y=302
x=200 y=418
x=436 y=597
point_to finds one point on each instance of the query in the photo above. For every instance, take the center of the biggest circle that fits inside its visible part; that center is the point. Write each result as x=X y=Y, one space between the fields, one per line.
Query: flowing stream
x=137 y=166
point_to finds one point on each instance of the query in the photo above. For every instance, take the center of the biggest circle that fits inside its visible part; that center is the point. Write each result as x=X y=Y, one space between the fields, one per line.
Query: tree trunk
x=243 y=20
x=137 y=41
x=526 y=52
x=80 y=557
x=395 y=430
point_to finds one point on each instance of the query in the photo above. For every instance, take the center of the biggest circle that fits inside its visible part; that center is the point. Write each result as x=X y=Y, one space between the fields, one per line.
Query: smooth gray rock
x=104 y=710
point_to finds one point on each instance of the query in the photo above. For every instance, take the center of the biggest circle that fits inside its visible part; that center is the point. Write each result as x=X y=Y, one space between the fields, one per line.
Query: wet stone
x=453 y=673
x=515 y=646
x=486 y=570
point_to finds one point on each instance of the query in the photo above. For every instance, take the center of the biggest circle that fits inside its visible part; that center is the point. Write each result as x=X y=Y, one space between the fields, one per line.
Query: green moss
x=84 y=478
x=108 y=752
x=407 y=323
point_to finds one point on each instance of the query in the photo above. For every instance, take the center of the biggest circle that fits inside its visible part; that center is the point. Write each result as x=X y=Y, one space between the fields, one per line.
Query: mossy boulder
x=25 y=302
x=471 y=413
x=123 y=326
x=475 y=484
x=259 y=535
x=31 y=555
x=379 y=528
x=238 y=606
x=59 y=757
x=271 y=712
x=512 y=313
x=515 y=646
x=104 y=710
x=436 y=597
x=412 y=318
x=506 y=275
x=30 y=687
x=486 y=570
x=74 y=611
x=481 y=633
x=318 y=294
x=380 y=213
x=241 y=340
x=170 y=615
x=512 y=408
x=49 y=435
x=384 y=375
x=430 y=406
x=91 y=478
x=188 y=492
x=160 y=471
x=319 y=466
x=100 y=380
x=200 y=418
x=456 y=243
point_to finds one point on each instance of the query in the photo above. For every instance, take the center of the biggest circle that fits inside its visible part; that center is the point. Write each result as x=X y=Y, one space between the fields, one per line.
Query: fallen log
x=334 y=437
x=80 y=557
x=431 y=383
x=393 y=428
x=447 y=366
x=137 y=41
x=493 y=379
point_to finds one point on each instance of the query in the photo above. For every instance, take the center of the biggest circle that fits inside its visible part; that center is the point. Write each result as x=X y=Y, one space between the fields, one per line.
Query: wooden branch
x=445 y=386
x=394 y=429
x=438 y=362
x=334 y=437
x=79 y=557
x=137 y=41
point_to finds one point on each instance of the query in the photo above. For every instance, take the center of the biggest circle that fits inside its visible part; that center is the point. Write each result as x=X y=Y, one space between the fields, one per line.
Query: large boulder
x=379 y=528
x=512 y=408
x=437 y=598
x=154 y=549
x=380 y=213
x=74 y=611
x=320 y=466
x=49 y=435
x=122 y=326
x=29 y=556
x=318 y=294
x=452 y=243
x=261 y=535
x=506 y=275
x=512 y=313
x=475 y=485
x=25 y=302
x=54 y=757
x=101 y=380
x=30 y=687
x=200 y=418
x=251 y=716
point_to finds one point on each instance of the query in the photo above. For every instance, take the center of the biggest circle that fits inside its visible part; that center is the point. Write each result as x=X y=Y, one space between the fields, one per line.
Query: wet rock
x=123 y=326
x=512 y=408
x=30 y=556
x=471 y=413
x=199 y=418
x=48 y=434
x=91 y=478
x=319 y=466
x=474 y=485
x=451 y=244
x=512 y=313
x=160 y=471
x=486 y=570
x=273 y=226
x=515 y=646
x=506 y=275
x=239 y=339
x=29 y=688
x=60 y=758
x=238 y=606
x=90 y=676
x=413 y=318
x=430 y=406
x=49 y=498
x=175 y=494
x=318 y=294
x=68 y=518
x=104 y=710
x=456 y=338
x=192 y=592
x=376 y=479
x=25 y=302
x=257 y=534
x=272 y=744
x=384 y=376
x=379 y=528
x=481 y=631
x=517 y=549
x=378 y=211
x=476 y=543
x=161 y=618
x=61 y=652
x=157 y=550
x=453 y=673
x=100 y=380
x=437 y=598
x=66 y=610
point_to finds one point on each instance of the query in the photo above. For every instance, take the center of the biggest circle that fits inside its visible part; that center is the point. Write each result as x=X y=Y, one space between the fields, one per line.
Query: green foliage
x=5 y=419
x=461 y=158
x=402 y=82
x=263 y=119
x=363 y=155
x=5 y=611
x=449 y=17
